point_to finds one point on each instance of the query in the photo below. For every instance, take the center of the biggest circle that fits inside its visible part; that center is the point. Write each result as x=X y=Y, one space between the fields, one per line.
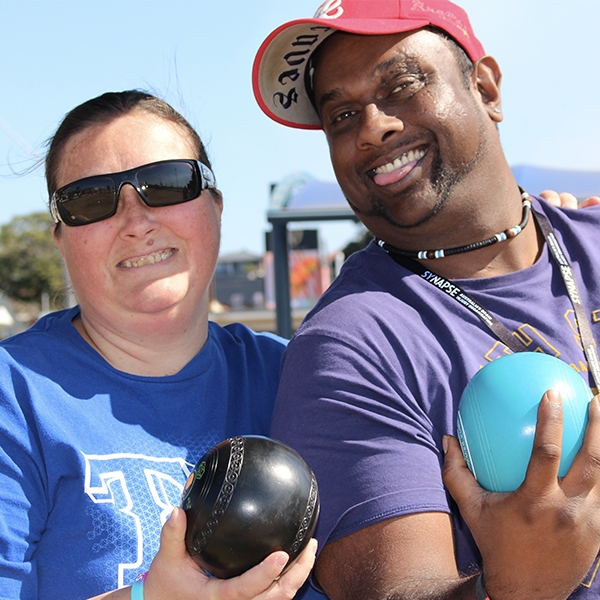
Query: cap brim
x=278 y=73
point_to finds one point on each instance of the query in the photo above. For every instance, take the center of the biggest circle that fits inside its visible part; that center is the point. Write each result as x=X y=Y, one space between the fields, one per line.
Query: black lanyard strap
x=457 y=293
x=498 y=329
x=588 y=342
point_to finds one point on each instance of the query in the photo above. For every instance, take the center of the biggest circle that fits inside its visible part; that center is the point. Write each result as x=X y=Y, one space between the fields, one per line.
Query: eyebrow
x=390 y=63
x=401 y=61
x=406 y=62
x=330 y=96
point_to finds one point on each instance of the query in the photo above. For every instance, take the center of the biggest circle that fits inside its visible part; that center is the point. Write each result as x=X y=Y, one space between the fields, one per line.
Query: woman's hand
x=567 y=200
x=173 y=574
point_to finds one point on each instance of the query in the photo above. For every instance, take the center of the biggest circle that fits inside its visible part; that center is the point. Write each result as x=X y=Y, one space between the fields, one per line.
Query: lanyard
x=497 y=328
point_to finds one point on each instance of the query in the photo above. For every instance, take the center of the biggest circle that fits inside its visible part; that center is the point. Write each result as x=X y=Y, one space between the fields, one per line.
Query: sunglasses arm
x=207 y=175
x=54 y=210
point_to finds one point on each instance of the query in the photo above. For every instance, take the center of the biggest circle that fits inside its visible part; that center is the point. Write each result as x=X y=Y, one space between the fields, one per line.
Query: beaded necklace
x=499 y=237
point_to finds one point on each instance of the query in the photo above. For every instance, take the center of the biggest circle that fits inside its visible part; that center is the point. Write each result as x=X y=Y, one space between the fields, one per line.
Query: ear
x=218 y=196
x=57 y=237
x=486 y=79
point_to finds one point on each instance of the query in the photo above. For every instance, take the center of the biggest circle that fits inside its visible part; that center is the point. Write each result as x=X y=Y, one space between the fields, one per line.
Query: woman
x=106 y=407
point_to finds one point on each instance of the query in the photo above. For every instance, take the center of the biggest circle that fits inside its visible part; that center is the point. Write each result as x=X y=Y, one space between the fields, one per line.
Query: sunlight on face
x=143 y=260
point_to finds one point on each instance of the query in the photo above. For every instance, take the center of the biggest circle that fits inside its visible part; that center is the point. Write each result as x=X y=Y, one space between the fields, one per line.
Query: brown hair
x=104 y=109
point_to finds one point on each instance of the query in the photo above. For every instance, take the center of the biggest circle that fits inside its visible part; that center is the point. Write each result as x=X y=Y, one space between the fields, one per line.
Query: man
x=410 y=104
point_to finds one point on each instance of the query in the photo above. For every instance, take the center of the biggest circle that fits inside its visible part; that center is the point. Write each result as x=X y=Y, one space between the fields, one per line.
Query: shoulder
x=364 y=270
x=568 y=217
x=33 y=361
x=369 y=292
x=238 y=338
x=244 y=365
x=43 y=337
x=576 y=228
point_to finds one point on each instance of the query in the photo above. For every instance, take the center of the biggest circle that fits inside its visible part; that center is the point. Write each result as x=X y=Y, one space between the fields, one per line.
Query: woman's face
x=142 y=261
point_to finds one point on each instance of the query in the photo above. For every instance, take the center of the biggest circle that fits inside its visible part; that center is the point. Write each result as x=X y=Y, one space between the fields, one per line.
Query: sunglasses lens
x=91 y=200
x=168 y=183
x=160 y=184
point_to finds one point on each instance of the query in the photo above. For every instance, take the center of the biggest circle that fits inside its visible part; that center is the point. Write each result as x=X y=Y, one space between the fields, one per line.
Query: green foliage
x=30 y=264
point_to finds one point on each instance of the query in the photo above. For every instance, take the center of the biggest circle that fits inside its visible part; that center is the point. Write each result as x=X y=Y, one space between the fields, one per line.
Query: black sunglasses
x=159 y=184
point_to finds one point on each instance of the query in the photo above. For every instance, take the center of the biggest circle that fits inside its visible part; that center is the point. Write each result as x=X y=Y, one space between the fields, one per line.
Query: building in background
x=243 y=287
x=239 y=282
x=15 y=316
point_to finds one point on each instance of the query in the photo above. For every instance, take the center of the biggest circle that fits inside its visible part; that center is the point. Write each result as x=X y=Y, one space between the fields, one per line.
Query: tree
x=30 y=264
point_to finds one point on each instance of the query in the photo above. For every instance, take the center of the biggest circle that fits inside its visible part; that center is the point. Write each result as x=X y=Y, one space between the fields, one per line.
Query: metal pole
x=283 y=309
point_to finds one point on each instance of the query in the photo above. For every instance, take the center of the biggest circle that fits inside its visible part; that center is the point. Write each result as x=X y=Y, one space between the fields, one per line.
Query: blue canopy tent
x=581 y=184
x=300 y=197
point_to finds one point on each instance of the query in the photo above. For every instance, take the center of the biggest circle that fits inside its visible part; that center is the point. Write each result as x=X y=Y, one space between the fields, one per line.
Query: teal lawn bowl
x=497 y=416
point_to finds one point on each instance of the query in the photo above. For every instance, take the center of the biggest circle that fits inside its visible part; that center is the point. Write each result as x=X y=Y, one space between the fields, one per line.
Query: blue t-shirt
x=92 y=459
x=372 y=379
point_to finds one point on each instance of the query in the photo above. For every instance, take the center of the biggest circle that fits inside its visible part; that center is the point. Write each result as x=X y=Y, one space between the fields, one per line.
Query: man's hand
x=567 y=200
x=541 y=540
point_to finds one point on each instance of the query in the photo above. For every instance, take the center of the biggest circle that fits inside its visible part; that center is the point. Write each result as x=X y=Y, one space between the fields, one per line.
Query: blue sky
x=198 y=56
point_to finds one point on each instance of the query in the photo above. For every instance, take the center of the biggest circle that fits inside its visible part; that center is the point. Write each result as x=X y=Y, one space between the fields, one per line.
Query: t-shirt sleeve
x=22 y=495
x=345 y=406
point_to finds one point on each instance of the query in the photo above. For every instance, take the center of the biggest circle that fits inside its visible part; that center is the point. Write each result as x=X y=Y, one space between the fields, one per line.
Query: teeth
x=406 y=158
x=149 y=259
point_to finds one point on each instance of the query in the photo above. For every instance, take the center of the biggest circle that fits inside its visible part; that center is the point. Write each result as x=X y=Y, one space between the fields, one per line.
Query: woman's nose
x=137 y=217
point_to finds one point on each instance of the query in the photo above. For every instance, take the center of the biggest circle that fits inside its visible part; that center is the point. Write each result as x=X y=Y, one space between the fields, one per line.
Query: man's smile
x=397 y=169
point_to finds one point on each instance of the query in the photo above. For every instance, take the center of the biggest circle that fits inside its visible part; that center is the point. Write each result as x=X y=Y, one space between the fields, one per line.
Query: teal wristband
x=137 y=590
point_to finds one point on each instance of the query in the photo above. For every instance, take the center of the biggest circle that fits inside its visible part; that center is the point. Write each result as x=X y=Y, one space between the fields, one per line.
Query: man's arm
x=409 y=557
x=541 y=540
x=347 y=421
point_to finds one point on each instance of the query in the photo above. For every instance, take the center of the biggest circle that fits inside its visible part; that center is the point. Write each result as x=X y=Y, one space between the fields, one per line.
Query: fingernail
x=169 y=520
x=554 y=397
x=282 y=560
x=445 y=444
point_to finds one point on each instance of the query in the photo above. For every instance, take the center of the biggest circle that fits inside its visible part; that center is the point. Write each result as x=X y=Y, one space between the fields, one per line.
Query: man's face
x=404 y=129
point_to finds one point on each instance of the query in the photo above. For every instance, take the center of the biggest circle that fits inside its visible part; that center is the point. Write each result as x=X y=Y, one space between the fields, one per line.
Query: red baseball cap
x=279 y=74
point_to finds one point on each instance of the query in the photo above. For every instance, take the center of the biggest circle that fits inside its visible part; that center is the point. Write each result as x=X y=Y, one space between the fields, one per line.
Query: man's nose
x=377 y=126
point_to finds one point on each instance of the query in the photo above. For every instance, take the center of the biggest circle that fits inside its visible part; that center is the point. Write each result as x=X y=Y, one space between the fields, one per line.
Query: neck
x=153 y=349
x=512 y=249
x=514 y=255
x=497 y=238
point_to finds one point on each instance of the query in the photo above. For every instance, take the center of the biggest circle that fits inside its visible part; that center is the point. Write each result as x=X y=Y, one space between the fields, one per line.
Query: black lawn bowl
x=246 y=498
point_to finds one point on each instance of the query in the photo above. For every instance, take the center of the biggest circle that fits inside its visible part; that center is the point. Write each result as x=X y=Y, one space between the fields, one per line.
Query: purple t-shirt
x=372 y=379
